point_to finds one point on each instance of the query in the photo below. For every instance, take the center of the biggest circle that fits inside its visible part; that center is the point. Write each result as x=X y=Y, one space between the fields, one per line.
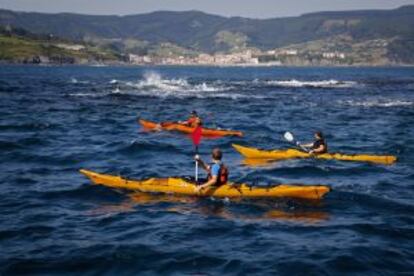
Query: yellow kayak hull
x=181 y=186
x=254 y=153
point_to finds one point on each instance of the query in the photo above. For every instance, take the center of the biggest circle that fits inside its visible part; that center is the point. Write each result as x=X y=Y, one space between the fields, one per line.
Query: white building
x=73 y=47
x=136 y=59
x=333 y=55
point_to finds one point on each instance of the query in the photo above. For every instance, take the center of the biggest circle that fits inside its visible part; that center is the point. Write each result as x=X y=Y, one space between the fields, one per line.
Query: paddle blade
x=289 y=136
x=196 y=136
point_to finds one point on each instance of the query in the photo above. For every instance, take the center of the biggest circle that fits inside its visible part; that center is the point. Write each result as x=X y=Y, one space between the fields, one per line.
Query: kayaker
x=217 y=172
x=193 y=121
x=319 y=146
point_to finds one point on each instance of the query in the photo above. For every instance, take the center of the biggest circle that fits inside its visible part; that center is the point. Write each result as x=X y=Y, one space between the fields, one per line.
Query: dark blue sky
x=246 y=8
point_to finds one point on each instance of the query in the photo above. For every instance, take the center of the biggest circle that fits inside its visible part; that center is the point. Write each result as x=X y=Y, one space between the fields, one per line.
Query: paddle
x=196 y=137
x=196 y=165
x=291 y=139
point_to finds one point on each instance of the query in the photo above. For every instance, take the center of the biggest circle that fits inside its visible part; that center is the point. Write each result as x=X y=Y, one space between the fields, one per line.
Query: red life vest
x=194 y=122
x=223 y=175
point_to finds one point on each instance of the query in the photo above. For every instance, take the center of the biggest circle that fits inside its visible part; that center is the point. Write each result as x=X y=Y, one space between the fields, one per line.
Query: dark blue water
x=56 y=120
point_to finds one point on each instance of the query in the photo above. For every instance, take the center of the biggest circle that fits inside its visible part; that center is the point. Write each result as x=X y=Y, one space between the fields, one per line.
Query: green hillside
x=20 y=46
x=201 y=31
x=192 y=32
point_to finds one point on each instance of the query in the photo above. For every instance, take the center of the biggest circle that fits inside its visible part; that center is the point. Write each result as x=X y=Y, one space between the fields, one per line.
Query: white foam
x=378 y=103
x=76 y=81
x=314 y=84
x=153 y=81
x=90 y=94
x=186 y=94
x=93 y=95
x=153 y=84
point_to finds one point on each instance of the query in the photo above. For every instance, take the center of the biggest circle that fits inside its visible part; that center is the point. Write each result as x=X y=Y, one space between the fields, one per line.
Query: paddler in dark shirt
x=319 y=146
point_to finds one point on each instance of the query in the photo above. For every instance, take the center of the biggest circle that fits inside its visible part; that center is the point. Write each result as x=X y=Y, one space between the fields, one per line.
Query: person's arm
x=309 y=145
x=319 y=149
x=215 y=170
x=202 y=163
x=186 y=122
x=209 y=183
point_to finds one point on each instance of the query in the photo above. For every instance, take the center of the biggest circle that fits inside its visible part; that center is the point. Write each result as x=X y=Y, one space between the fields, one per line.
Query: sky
x=245 y=8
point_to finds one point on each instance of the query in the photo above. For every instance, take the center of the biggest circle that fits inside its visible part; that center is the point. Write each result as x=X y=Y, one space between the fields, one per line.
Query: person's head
x=319 y=135
x=193 y=113
x=216 y=154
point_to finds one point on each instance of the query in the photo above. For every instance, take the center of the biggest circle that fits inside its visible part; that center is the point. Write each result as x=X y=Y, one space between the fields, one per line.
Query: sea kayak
x=181 y=186
x=173 y=126
x=254 y=153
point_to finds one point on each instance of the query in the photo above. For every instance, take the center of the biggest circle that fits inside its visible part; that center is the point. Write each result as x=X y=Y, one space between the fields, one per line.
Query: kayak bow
x=182 y=186
x=172 y=126
x=254 y=153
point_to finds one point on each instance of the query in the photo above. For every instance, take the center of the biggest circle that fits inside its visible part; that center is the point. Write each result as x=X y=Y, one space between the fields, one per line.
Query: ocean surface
x=57 y=120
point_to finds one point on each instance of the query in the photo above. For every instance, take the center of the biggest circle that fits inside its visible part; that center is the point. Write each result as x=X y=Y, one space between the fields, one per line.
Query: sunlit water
x=56 y=120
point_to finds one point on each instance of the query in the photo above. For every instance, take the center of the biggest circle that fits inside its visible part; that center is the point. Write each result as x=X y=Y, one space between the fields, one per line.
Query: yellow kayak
x=182 y=186
x=253 y=153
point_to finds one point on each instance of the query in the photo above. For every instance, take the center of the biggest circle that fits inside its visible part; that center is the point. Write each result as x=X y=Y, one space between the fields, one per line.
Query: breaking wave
x=313 y=84
x=153 y=84
x=153 y=81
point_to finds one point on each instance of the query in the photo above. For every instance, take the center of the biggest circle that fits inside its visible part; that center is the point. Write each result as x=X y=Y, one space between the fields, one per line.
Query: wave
x=154 y=85
x=154 y=82
x=91 y=94
x=313 y=84
x=76 y=81
x=378 y=103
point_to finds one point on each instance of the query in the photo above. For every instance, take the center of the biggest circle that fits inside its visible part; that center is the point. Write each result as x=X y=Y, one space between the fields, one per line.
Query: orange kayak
x=172 y=126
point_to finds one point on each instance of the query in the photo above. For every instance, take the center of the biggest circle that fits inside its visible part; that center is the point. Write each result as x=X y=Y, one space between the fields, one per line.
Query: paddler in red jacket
x=193 y=121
